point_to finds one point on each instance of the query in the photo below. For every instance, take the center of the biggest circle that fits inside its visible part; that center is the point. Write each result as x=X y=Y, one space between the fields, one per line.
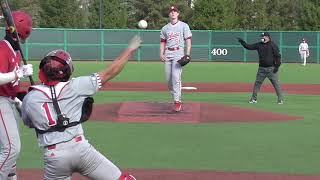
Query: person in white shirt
x=304 y=51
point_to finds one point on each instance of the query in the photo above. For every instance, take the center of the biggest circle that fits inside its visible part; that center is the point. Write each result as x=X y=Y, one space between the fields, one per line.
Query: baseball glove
x=184 y=60
x=86 y=109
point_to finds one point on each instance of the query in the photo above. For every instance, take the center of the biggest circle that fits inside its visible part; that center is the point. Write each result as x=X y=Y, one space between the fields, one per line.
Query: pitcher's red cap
x=173 y=8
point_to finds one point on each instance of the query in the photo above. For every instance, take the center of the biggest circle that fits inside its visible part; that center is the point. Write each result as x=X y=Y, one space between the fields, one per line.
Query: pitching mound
x=161 y=112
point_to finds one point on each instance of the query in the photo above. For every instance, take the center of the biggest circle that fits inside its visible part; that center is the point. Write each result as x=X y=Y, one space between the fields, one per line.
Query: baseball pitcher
x=58 y=107
x=11 y=71
x=173 y=53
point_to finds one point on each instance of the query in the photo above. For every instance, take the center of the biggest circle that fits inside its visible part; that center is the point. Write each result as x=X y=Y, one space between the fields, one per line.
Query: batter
x=10 y=73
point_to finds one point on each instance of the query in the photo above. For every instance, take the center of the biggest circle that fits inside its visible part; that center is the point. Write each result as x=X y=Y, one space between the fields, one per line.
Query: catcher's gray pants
x=262 y=73
x=10 y=144
x=65 y=158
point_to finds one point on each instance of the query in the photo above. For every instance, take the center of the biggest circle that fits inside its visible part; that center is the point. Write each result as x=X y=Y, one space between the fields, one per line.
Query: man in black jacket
x=269 y=63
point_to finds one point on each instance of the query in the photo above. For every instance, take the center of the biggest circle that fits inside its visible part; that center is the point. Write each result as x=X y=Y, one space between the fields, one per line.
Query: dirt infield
x=143 y=174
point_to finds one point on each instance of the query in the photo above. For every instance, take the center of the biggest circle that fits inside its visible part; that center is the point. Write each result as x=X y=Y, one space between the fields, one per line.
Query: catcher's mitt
x=184 y=60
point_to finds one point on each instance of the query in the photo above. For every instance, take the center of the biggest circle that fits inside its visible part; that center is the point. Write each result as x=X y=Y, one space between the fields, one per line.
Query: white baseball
x=143 y=24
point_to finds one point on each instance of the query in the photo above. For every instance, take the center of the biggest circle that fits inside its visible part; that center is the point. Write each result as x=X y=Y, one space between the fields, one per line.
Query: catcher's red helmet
x=23 y=23
x=55 y=67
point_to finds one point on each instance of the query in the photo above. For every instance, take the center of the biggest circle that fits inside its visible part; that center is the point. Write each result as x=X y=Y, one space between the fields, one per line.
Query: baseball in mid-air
x=143 y=24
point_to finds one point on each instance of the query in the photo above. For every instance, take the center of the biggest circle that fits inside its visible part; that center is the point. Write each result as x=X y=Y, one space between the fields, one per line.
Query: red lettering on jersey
x=51 y=121
x=174 y=36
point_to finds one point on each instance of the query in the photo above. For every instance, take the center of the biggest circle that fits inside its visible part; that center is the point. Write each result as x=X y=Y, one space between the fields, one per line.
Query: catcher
x=57 y=108
x=173 y=38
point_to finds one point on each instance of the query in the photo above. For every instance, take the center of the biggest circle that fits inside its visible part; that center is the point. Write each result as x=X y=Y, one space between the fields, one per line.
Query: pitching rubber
x=189 y=88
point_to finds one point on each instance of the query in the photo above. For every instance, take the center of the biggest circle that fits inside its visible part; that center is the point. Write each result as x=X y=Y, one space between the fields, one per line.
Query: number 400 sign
x=219 y=52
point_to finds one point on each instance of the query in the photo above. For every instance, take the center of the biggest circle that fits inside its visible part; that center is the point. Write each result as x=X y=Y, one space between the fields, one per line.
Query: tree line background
x=291 y=15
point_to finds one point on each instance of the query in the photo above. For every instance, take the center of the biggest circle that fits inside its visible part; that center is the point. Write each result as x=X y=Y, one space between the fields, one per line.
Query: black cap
x=265 y=34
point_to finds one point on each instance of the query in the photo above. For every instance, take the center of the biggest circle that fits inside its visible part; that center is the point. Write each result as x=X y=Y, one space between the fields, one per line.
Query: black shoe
x=280 y=101
x=253 y=101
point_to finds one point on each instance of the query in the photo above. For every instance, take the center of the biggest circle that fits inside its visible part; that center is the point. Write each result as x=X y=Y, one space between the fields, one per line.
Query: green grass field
x=279 y=147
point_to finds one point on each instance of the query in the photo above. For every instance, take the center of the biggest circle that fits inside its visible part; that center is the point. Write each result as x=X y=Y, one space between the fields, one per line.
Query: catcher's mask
x=23 y=23
x=55 y=67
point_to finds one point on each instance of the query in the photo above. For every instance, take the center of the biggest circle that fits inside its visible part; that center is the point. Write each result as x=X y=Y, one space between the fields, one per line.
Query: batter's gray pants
x=262 y=73
x=9 y=137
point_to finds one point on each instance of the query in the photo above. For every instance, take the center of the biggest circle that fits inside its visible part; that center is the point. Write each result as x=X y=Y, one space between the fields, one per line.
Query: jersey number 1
x=51 y=121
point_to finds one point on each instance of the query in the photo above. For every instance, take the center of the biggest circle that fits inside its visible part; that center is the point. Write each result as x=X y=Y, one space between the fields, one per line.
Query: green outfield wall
x=208 y=45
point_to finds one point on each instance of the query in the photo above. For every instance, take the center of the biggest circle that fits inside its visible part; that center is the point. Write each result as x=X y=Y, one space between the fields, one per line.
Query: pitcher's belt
x=173 y=49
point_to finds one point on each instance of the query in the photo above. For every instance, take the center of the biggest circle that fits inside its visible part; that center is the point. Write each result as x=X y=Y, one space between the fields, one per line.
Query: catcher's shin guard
x=127 y=177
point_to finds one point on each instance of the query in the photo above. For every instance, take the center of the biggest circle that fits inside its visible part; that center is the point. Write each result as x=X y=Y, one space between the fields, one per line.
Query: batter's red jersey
x=9 y=61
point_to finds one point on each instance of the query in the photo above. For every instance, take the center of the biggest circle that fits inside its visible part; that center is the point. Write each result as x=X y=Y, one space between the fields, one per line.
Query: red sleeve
x=4 y=63
x=163 y=40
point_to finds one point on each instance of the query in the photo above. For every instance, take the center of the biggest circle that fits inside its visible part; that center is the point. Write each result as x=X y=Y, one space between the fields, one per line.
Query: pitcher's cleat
x=177 y=106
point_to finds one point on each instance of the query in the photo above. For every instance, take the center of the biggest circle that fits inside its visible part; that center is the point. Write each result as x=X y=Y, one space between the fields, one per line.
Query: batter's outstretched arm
x=118 y=64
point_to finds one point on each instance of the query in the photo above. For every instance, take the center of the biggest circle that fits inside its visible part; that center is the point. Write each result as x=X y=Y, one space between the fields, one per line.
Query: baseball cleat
x=127 y=177
x=253 y=101
x=280 y=101
x=177 y=106
x=132 y=177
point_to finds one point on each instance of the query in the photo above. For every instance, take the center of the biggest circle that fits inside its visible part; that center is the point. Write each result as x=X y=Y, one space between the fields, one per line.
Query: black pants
x=262 y=73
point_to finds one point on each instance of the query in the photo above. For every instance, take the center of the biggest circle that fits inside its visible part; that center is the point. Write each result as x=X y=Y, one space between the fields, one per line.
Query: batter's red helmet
x=55 y=67
x=23 y=23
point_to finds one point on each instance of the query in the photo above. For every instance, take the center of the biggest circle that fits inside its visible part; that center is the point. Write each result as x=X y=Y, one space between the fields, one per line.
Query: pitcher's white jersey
x=40 y=113
x=175 y=34
x=303 y=47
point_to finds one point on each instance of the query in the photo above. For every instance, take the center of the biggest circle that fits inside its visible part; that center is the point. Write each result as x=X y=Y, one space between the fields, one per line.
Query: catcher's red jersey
x=9 y=61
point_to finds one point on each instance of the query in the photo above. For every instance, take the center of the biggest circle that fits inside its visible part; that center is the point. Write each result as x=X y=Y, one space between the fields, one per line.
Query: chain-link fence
x=106 y=44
